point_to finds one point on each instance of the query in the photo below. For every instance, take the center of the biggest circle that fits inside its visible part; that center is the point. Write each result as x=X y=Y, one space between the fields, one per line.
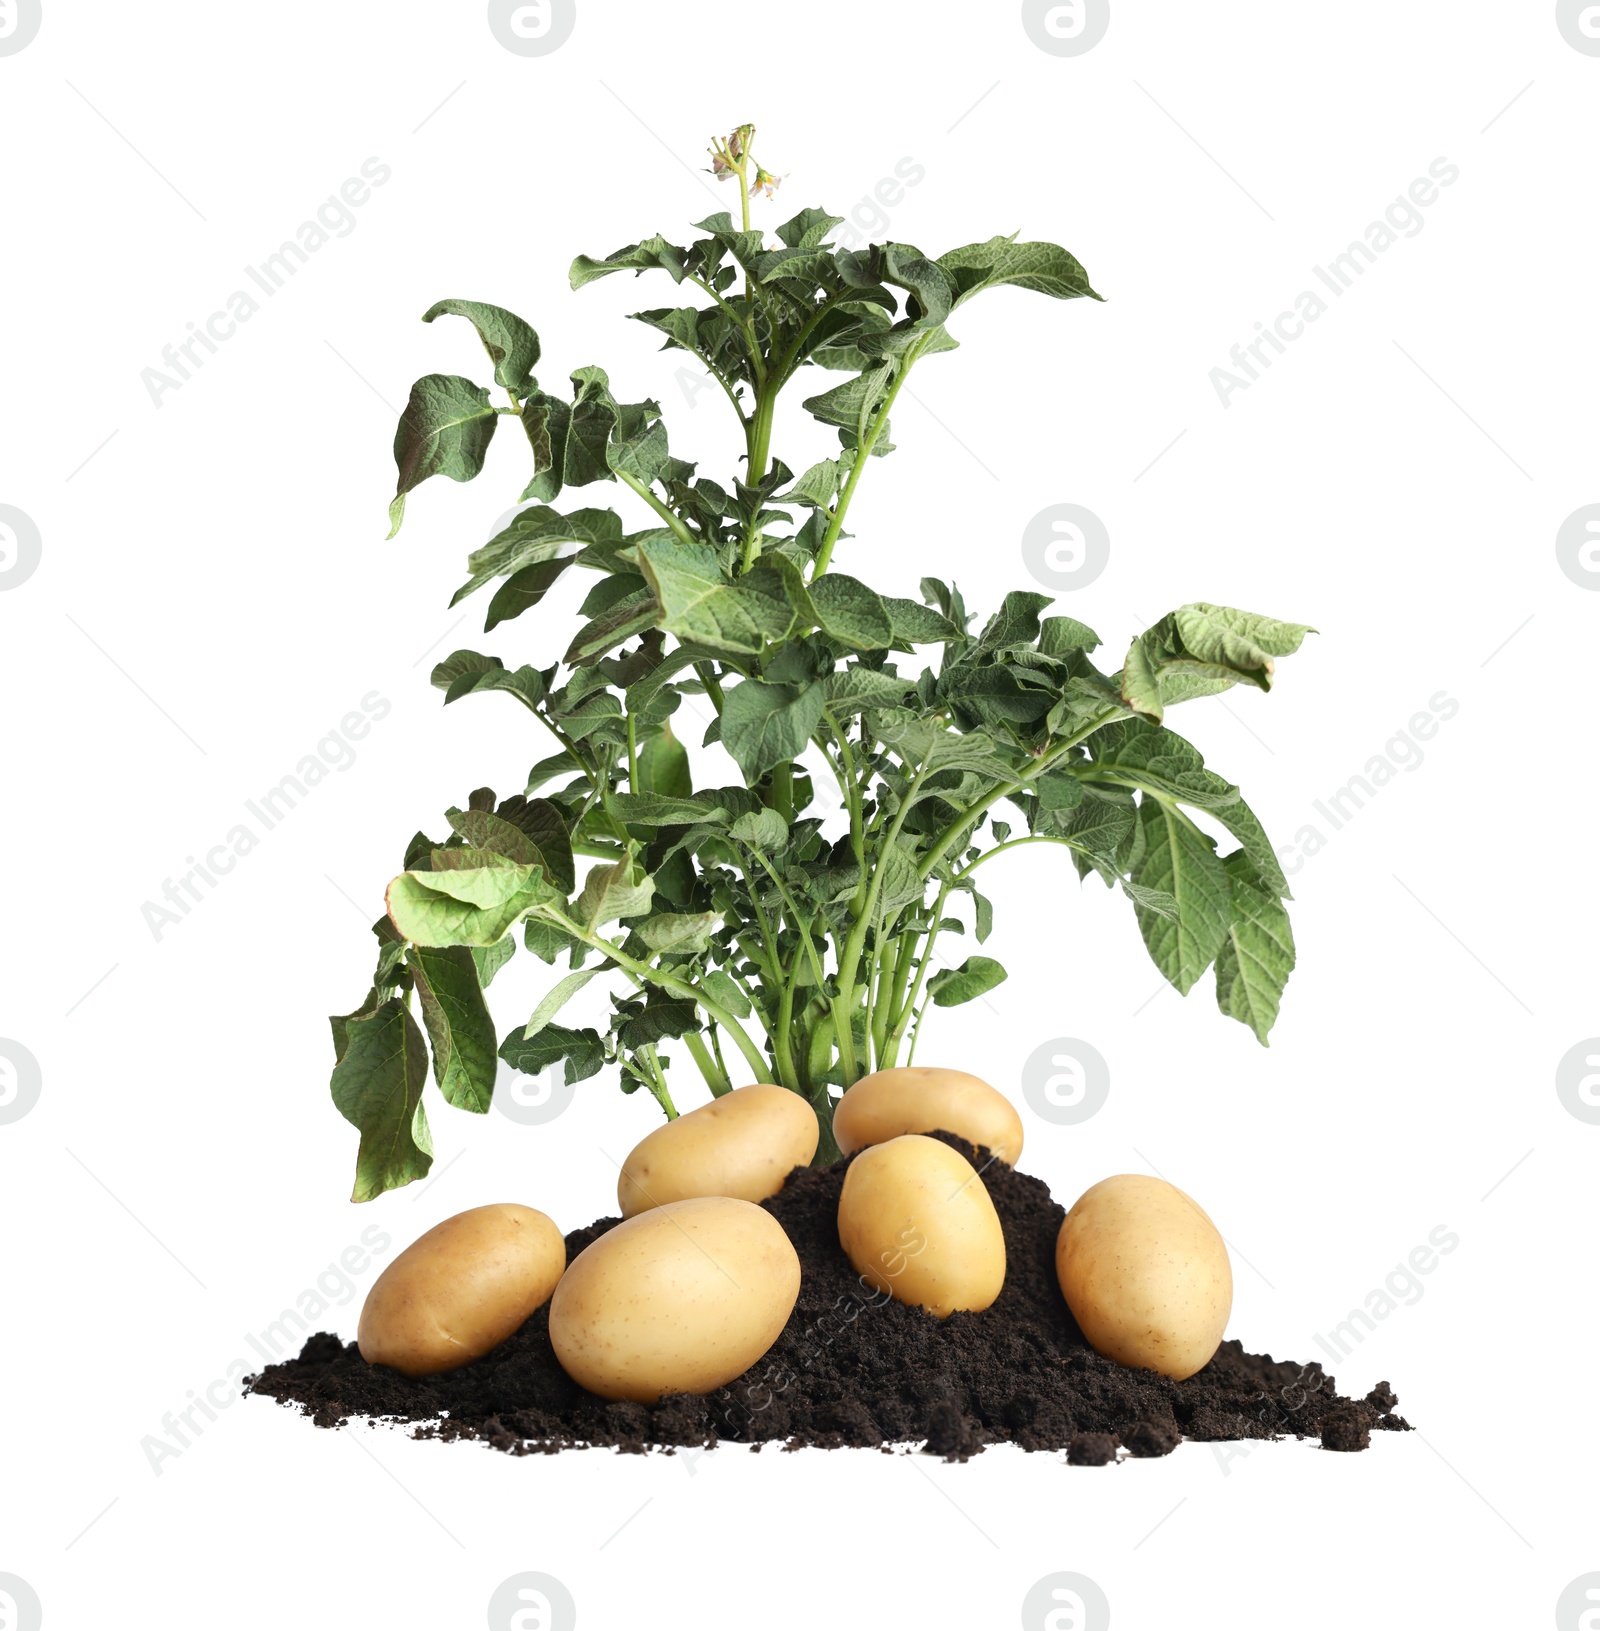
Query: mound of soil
x=855 y=1368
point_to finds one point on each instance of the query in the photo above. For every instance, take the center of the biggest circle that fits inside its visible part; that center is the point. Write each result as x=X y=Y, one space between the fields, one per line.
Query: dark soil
x=853 y=1368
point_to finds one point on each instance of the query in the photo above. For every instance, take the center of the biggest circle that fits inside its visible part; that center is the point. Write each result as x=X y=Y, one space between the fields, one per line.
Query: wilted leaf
x=377 y=1086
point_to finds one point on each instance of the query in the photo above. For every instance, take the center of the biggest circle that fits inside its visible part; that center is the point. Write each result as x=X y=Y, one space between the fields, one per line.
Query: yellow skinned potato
x=743 y=1144
x=916 y=1221
x=679 y=1299
x=1145 y=1274
x=461 y=1289
x=926 y=1099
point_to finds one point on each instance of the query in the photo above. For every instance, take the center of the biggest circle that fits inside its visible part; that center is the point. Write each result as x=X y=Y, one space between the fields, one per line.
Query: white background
x=215 y=593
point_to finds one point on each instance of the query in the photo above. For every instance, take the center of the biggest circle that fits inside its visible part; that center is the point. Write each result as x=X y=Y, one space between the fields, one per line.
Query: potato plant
x=769 y=934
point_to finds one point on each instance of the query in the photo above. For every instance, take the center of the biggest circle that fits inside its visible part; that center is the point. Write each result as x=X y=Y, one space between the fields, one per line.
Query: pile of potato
x=697 y=1282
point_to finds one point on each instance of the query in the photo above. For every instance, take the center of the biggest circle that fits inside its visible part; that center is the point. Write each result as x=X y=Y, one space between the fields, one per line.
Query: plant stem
x=758 y=365
x=716 y=1078
x=1010 y=843
x=670 y=516
x=996 y=793
x=782 y=1032
x=783 y=789
x=863 y=453
x=758 y=446
x=850 y=957
x=667 y=981
x=712 y=684
x=656 y=1082
x=910 y=1003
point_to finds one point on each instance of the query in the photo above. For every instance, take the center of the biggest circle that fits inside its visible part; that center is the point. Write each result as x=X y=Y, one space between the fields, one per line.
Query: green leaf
x=1058 y=790
x=850 y=406
x=765 y=725
x=537 y=535
x=1257 y=955
x=590 y=715
x=542 y=823
x=340 y=1023
x=545 y=420
x=982 y=916
x=927 y=744
x=954 y=986
x=1241 y=821
x=458 y=1022
x=1181 y=861
x=808 y=229
x=614 y=627
x=556 y=998
x=727 y=991
x=377 y=1086
x=1160 y=761
x=1241 y=640
x=851 y=689
x=558 y=764
x=699 y=604
x=615 y=891
x=661 y=810
x=1141 y=682
x=644 y=691
x=482 y=829
x=898 y=883
x=677 y=932
x=654 y=253
x=917 y=625
x=1097 y=830
x=681 y=325
x=818 y=487
x=578 y=435
x=763 y=829
x=447 y=672
x=848 y=611
x=523 y=590
x=444 y=431
x=583 y=1051
x=1153 y=900
x=1060 y=636
x=513 y=347
x=903 y=266
x=489 y=960
x=992 y=696
x=1016 y=624
x=664 y=765
x=1202 y=649
x=546 y=941
x=1042 y=267
x=661 y=1019
x=464 y=672
x=639 y=449
x=472 y=904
